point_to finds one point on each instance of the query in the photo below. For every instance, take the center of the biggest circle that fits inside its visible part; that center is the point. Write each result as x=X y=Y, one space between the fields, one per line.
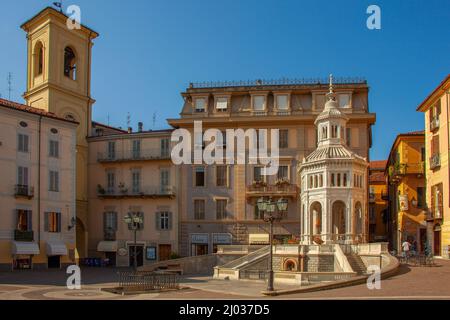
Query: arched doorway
x=338 y=213
x=290 y=265
x=81 y=239
x=316 y=218
x=437 y=240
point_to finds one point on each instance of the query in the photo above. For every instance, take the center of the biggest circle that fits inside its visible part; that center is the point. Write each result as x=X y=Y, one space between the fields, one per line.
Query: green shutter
x=157 y=221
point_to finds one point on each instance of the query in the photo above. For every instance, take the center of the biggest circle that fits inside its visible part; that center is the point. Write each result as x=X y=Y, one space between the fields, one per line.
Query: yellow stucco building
x=406 y=188
x=378 y=201
x=436 y=109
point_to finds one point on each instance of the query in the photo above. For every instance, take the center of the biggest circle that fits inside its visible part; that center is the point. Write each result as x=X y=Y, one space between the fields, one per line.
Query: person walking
x=406 y=247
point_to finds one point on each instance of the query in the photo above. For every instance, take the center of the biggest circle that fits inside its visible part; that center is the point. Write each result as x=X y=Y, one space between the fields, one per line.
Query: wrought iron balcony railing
x=435 y=161
x=145 y=192
x=20 y=235
x=134 y=155
x=280 y=190
x=23 y=191
x=434 y=124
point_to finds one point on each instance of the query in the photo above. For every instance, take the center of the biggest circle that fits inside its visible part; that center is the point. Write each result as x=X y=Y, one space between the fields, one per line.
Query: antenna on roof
x=108 y=119
x=128 y=119
x=9 y=80
x=154 y=120
x=59 y=5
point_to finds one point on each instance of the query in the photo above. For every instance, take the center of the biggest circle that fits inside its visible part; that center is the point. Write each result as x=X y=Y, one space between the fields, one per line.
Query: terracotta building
x=378 y=202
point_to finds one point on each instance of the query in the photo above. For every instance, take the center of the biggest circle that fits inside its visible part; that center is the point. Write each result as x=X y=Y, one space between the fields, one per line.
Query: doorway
x=54 y=262
x=199 y=249
x=165 y=251
x=437 y=240
x=111 y=259
x=139 y=255
x=423 y=239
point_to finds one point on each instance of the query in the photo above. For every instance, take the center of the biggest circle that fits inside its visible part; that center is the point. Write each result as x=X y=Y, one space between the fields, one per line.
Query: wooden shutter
x=158 y=221
x=170 y=220
x=435 y=145
x=58 y=215
x=29 y=220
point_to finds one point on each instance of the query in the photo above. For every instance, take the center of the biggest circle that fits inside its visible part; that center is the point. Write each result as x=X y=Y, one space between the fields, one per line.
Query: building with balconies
x=405 y=171
x=132 y=172
x=218 y=203
x=378 y=202
x=436 y=109
x=37 y=193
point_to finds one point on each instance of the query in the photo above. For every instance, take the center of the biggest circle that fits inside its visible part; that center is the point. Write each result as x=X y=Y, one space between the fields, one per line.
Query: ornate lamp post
x=133 y=220
x=269 y=207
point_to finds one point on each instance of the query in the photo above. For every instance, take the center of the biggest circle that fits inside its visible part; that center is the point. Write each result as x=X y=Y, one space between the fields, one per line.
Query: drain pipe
x=39 y=182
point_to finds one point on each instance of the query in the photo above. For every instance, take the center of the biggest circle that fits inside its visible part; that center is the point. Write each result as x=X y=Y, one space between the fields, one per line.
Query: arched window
x=38 y=59
x=320 y=181
x=70 y=66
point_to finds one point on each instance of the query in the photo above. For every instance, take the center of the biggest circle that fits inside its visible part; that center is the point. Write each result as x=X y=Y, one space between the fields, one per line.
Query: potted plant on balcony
x=293 y=240
x=122 y=188
x=259 y=184
x=100 y=189
x=317 y=239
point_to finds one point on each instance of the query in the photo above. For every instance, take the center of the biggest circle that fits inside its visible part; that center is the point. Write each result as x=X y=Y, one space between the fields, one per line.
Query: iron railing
x=144 y=192
x=253 y=274
x=285 y=189
x=148 y=281
x=277 y=82
x=434 y=124
x=26 y=236
x=435 y=161
x=21 y=190
x=134 y=155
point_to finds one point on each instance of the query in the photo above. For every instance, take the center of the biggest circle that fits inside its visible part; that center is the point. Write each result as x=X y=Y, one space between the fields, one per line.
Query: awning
x=27 y=248
x=56 y=248
x=278 y=230
x=107 y=246
x=258 y=238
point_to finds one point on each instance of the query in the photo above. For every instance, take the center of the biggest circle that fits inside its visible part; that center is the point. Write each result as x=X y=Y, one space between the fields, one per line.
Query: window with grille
x=199 y=209
x=221 y=176
x=53 y=181
x=54 y=148
x=284 y=135
x=52 y=222
x=221 y=209
x=23 y=142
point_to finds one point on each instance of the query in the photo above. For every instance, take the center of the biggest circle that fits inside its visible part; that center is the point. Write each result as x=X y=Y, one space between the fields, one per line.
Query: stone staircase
x=356 y=263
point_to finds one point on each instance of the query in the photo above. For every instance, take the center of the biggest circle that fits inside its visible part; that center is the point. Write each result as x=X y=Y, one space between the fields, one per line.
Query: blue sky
x=149 y=51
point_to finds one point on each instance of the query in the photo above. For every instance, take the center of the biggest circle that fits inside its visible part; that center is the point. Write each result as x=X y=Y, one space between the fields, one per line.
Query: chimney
x=140 y=126
x=130 y=129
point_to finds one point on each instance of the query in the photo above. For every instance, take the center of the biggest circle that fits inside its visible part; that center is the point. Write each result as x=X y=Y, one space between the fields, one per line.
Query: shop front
x=220 y=239
x=55 y=250
x=22 y=253
x=109 y=250
x=199 y=244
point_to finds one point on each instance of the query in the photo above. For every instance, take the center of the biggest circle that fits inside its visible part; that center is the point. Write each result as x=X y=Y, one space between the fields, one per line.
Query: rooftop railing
x=134 y=155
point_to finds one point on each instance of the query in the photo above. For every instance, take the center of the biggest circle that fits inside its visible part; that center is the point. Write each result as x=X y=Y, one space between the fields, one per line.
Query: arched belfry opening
x=70 y=63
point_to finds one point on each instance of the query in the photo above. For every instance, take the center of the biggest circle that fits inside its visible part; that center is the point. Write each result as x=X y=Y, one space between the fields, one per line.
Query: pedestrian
x=405 y=247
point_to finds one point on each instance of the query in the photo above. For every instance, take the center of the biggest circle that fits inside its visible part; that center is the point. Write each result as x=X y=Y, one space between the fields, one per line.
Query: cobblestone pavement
x=410 y=283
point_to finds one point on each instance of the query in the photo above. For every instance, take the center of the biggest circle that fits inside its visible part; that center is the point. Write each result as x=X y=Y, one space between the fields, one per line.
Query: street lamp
x=134 y=220
x=269 y=207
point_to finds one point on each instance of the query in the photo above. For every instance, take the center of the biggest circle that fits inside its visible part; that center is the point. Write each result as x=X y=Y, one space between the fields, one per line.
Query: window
x=199 y=209
x=420 y=197
x=348 y=136
x=22 y=176
x=54 y=149
x=163 y=221
x=165 y=148
x=200 y=104
x=284 y=134
x=311 y=182
x=200 y=177
x=110 y=182
x=111 y=150
x=257 y=174
x=136 y=181
x=222 y=104
x=221 y=176
x=221 y=209
x=320 y=181
x=334 y=131
x=140 y=226
x=434 y=145
x=24 y=219
x=283 y=173
x=53 y=181
x=52 y=222
x=338 y=178
x=110 y=224
x=165 y=180
x=332 y=181
x=257 y=213
x=282 y=102
x=344 y=181
x=22 y=140
x=39 y=59
x=324 y=132
x=422 y=154
x=259 y=103
x=136 y=149
x=344 y=100
x=70 y=66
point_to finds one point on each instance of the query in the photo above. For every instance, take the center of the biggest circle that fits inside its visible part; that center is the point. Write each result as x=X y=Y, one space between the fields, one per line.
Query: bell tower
x=59 y=81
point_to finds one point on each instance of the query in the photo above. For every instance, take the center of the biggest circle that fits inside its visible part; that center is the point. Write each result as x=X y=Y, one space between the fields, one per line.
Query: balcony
x=23 y=191
x=372 y=197
x=133 y=155
x=286 y=190
x=398 y=170
x=435 y=161
x=436 y=212
x=144 y=193
x=25 y=236
x=109 y=235
x=434 y=124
